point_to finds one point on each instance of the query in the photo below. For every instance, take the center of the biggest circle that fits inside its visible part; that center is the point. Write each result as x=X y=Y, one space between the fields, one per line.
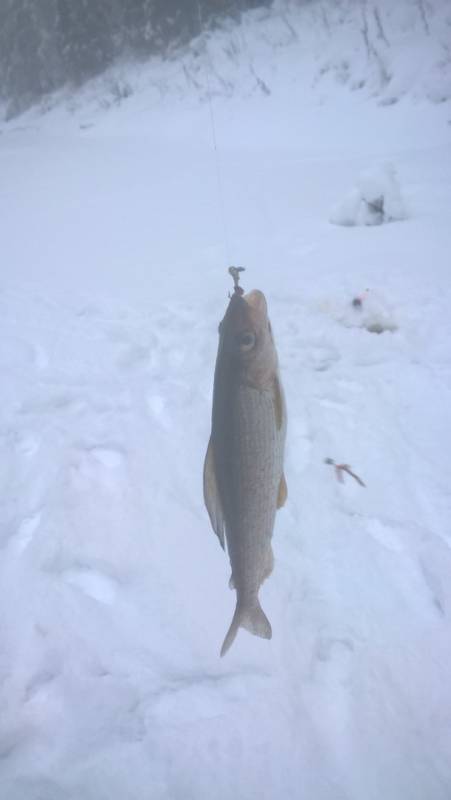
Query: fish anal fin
x=282 y=493
x=211 y=496
x=269 y=566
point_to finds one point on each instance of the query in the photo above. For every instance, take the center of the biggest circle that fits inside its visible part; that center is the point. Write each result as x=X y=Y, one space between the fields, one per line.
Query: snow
x=114 y=595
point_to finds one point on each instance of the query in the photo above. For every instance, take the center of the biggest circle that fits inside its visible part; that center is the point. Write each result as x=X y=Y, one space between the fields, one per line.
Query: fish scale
x=255 y=479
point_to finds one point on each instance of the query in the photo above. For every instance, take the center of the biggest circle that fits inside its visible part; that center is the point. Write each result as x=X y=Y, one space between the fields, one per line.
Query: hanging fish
x=244 y=482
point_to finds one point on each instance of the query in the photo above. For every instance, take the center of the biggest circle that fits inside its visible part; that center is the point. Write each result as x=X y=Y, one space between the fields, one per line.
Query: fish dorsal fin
x=278 y=402
x=282 y=494
x=211 y=496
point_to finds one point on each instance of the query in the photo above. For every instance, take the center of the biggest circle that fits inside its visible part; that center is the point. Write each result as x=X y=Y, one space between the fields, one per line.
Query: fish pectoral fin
x=212 y=498
x=282 y=494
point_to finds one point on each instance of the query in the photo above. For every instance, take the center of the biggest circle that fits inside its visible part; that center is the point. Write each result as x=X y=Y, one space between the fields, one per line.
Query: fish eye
x=246 y=341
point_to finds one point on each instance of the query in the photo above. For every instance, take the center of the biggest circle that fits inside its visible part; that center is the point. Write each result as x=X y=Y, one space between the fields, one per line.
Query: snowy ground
x=114 y=598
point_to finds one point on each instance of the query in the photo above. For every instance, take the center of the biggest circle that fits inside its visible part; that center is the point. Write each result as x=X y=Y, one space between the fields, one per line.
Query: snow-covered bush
x=375 y=199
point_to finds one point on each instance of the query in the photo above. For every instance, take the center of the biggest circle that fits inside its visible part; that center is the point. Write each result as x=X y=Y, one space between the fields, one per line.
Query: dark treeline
x=45 y=44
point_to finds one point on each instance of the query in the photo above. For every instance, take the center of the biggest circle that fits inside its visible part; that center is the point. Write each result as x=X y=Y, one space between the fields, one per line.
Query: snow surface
x=114 y=598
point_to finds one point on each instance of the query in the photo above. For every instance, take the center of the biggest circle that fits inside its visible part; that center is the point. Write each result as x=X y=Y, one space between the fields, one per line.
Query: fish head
x=246 y=339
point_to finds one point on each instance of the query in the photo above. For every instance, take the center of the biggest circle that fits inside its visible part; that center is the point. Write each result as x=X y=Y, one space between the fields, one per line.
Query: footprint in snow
x=156 y=404
x=38 y=685
x=434 y=584
x=320 y=357
x=331 y=404
x=134 y=356
x=92 y=583
x=331 y=672
x=25 y=533
x=11 y=740
x=38 y=788
x=139 y=356
x=385 y=534
x=97 y=464
x=334 y=650
x=16 y=353
x=181 y=704
x=50 y=404
x=107 y=456
x=27 y=444
x=41 y=359
x=350 y=386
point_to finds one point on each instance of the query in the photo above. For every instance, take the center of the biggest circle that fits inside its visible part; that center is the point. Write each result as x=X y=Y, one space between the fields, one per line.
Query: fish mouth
x=256 y=301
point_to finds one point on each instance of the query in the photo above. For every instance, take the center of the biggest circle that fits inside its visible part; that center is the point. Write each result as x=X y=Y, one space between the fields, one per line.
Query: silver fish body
x=243 y=474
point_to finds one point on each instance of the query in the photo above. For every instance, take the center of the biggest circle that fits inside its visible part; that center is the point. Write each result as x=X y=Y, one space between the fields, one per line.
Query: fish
x=243 y=479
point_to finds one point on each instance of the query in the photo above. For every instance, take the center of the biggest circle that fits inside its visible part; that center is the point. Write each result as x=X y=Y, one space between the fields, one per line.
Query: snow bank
x=384 y=51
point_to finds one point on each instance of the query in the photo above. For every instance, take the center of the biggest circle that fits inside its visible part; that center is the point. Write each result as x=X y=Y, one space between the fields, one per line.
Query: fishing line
x=220 y=187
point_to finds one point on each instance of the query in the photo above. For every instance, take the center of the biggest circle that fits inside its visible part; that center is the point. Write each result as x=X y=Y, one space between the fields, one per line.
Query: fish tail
x=253 y=619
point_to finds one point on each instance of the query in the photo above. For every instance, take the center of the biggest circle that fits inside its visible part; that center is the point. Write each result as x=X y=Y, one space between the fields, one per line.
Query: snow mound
x=370 y=310
x=375 y=199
